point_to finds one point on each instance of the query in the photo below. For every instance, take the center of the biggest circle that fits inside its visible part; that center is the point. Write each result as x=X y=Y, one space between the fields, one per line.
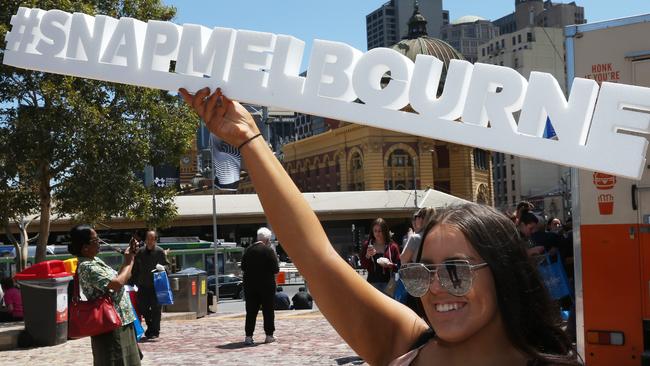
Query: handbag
x=163 y=290
x=554 y=276
x=92 y=317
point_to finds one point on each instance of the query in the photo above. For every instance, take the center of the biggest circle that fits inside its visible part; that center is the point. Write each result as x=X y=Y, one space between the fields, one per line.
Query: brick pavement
x=303 y=338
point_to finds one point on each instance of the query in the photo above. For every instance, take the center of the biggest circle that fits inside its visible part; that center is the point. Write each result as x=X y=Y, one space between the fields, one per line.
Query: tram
x=182 y=254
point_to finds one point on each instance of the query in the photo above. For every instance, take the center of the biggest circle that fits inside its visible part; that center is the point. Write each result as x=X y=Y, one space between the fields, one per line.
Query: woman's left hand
x=224 y=117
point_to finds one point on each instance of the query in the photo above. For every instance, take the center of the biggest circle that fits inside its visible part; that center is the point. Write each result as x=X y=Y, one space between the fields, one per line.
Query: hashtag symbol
x=22 y=29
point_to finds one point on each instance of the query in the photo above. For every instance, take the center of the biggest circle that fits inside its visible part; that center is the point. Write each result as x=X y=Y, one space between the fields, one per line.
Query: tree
x=75 y=147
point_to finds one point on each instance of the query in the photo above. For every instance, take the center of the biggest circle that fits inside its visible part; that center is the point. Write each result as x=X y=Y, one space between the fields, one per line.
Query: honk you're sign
x=594 y=125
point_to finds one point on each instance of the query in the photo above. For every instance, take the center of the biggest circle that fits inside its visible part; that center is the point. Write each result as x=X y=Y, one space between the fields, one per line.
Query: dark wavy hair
x=79 y=236
x=531 y=319
x=384 y=230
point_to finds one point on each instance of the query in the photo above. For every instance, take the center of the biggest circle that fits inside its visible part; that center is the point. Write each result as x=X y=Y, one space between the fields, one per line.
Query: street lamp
x=415 y=180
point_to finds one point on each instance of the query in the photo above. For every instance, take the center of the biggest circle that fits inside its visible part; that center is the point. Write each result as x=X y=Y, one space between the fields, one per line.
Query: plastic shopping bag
x=163 y=290
x=400 y=292
x=139 y=331
x=554 y=277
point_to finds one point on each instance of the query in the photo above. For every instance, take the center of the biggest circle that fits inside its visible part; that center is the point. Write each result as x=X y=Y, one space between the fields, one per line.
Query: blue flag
x=226 y=162
x=549 y=131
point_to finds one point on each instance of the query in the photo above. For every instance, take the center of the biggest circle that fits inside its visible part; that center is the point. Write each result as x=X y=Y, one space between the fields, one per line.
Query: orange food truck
x=611 y=214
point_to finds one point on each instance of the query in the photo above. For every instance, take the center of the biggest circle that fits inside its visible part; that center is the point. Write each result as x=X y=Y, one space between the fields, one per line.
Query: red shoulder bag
x=93 y=317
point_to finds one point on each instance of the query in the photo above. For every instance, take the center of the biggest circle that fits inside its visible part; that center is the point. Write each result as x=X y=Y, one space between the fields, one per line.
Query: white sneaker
x=248 y=341
x=269 y=339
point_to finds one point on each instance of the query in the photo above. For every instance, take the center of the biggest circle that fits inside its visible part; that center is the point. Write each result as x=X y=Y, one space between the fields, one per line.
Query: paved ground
x=304 y=338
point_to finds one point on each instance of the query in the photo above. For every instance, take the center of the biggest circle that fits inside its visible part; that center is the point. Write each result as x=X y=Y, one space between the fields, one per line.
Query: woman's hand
x=371 y=251
x=225 y=118
x=125 y=272
x=129 y=253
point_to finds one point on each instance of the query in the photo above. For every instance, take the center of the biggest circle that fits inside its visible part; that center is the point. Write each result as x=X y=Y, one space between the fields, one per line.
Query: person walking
x=146 y=260
x=260 y=264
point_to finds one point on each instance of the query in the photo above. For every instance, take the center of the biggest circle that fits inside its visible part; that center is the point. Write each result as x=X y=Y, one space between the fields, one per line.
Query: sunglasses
x=454 y=276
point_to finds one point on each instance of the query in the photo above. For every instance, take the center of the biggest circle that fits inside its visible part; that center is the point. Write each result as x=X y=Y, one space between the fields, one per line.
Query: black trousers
x=150 y=310
x=256 y=297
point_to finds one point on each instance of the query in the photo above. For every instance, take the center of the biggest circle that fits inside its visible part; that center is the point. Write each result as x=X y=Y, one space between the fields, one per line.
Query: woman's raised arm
x=376 y=327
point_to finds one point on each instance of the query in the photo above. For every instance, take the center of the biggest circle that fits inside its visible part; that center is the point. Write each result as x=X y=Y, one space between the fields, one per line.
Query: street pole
x=415 y=180
x=214 y=229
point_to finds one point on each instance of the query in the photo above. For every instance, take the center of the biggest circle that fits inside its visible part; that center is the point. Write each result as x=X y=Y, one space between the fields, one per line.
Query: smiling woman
x=483 y=290
x=484 y=303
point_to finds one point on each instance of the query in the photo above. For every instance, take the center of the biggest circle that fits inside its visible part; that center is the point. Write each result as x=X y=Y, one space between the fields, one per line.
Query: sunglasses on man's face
x=454 y=276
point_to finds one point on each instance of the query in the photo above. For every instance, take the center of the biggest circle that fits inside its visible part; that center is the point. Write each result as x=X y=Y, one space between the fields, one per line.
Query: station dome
x=467 y=19
x=418 y=42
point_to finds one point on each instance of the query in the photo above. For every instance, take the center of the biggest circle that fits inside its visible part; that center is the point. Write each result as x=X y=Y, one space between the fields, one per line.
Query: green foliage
x=81 y=143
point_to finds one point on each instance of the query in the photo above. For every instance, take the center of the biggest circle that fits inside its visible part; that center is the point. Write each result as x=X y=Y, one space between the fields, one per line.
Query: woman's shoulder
x=89 y=265
x=84 y=263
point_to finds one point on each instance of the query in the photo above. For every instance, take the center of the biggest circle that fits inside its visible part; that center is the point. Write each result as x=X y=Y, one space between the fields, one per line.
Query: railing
x=291 y=276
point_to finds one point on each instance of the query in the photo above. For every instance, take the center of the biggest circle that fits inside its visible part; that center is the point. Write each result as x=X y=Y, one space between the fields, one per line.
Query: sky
x=344 y=20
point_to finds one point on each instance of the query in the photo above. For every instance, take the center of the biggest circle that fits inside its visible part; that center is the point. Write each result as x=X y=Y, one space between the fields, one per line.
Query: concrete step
x=9 y=336
x=9 y=333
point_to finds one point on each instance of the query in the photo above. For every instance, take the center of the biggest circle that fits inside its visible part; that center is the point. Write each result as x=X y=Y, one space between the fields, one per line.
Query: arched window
x=400 y=158
x=482 y=195
x=481 y=159
x=399 y=171
x=356 y=172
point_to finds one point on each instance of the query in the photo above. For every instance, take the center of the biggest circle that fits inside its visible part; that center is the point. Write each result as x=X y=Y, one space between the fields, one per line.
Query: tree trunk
x=18 y=259
x=46 y=207
x=24 y=247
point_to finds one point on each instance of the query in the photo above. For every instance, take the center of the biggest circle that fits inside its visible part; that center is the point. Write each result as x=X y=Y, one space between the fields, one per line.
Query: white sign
x=476 y=108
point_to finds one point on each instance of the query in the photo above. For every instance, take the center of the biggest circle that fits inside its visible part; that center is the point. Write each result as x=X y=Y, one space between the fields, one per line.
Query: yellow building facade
x=355 y=158
x=351 y=157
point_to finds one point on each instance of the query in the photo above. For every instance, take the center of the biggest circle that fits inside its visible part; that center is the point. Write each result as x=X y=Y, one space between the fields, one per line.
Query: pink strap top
x=407 y=358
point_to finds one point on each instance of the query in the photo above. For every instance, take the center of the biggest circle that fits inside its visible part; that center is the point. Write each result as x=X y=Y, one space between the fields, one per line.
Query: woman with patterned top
x=119 y=346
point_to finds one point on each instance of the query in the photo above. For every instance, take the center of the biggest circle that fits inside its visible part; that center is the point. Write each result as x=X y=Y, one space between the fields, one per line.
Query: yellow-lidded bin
x=70 y=265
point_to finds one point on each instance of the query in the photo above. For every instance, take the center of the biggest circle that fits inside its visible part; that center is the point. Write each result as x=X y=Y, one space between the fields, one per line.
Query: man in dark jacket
x=282 y=301
x=260 y=264
x=302 y=300
x=146 y=259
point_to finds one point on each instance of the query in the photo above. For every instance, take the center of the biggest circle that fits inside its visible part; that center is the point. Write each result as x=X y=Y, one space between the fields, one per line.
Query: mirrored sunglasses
x=454 y=276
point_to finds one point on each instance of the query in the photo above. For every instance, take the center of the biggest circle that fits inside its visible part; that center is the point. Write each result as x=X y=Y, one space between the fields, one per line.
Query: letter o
x=371 y=67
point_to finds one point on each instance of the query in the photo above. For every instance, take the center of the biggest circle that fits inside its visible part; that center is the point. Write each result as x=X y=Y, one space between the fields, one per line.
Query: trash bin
x=44 y=290
x=190 y=289
x=71 y=265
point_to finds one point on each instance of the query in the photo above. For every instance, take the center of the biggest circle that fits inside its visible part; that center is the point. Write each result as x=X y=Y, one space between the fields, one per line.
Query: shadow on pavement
x=237 y=345
x=351 y=360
